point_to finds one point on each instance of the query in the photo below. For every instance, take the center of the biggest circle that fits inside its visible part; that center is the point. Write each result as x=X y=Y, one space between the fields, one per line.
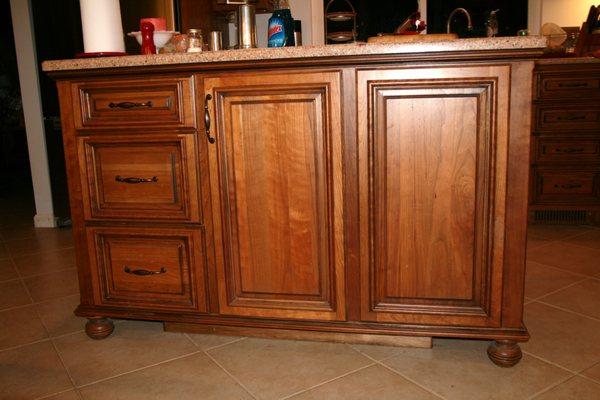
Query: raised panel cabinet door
x=432 y=179
x=276 y=184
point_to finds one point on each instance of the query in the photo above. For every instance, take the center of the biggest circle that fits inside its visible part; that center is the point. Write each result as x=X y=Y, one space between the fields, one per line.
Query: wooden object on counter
x=565 y=151
x=433 y=37
x=357 y=197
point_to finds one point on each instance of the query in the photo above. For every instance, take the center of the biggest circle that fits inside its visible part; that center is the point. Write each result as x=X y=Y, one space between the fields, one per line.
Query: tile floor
x=44 y=353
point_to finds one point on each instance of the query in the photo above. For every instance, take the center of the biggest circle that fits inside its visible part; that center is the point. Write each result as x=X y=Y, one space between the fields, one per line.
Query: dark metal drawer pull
x=573 y=85
x=569 y=186
x=208 y=98
x=571 y=118
x=136 y=180
x=144 y=272
x=129 y=104
x=570 y=150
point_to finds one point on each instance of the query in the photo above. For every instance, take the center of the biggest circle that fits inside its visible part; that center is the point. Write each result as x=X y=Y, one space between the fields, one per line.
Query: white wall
x=560 y=12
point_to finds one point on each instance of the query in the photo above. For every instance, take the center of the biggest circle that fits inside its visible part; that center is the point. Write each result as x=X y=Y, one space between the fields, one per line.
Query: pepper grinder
x=148 y=46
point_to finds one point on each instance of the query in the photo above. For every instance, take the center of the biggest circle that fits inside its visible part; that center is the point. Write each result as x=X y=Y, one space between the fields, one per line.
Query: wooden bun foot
x=99 y=328
x=505 y=353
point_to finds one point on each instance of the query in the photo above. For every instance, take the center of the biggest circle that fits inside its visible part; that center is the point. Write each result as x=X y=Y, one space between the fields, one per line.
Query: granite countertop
x=354 y=49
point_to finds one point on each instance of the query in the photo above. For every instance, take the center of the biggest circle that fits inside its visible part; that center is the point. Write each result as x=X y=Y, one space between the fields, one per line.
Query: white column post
x=22 y=21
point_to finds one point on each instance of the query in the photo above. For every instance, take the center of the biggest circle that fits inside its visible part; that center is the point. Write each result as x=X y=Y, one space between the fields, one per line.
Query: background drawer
x=129 y=178
x=574 y=85
x=565 y=186
x=566 y=150
x=152 y=103
x=558 y=118
x=149 y=268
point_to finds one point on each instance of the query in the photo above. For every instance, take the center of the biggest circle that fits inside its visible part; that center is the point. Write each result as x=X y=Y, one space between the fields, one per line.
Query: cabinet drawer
x=150 y=103
x=559 y=118
x=565 y=186
x=570 y=85
x=132 y=178
x=567 y=150
x=149 y=268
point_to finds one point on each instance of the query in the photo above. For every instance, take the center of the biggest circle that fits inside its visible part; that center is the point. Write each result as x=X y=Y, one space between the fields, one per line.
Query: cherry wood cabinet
x=364 y=198
x=565 y=151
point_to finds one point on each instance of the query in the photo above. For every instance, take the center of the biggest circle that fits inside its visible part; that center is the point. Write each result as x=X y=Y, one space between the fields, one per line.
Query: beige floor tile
x=556 y=232
x=378 y=352
x=4 y=254
x=583 y=297
x=593 y=372
x=275 y=368
x=57 y=315
x=20 y=326
x=574 y=389
x=588 y=239
x=7 y=270
x=31 y=371
x=21 y=231
x=70 y=395
x=41 y=263
x=374 y=382
x=61 y=239
x=461 y=370
x=564 y=338
x=578 y=259
x=133 y=345
x=13 y=294
x=189 y=378
x=537 y=241
x=53 y=285
x=541 y=279
x=206 y=342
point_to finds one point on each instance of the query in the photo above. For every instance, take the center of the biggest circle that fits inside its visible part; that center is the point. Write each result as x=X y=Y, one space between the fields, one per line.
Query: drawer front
x=578 y=118
x=566 y=187
x=567 y=150
x=149 y=268
x=150 y=103
x=129 y=178
x=574 y=85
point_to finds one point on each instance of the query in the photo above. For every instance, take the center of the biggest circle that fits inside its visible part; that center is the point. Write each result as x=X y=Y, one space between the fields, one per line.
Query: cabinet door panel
x=432 y=168
x=278 y=143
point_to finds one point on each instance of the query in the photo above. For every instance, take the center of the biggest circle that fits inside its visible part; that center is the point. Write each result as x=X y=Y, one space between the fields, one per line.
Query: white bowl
x=160 y=37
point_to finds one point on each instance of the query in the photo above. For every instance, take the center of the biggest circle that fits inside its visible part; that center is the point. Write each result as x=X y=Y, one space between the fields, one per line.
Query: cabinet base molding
x=338 y=337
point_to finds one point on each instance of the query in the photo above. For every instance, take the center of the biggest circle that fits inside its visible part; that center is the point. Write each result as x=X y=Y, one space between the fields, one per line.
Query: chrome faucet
x=457 y=10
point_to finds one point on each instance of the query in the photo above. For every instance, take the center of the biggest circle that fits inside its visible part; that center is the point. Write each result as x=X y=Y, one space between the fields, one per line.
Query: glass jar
x=195 y=41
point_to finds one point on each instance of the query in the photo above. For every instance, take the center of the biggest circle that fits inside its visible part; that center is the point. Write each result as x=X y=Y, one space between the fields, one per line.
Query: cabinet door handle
x=144 y=272
x=573 y=85
x=569 y=186
x=570 y=150
x=129 y=104
x=571 y=118
x=208 y=98
x=136 y=180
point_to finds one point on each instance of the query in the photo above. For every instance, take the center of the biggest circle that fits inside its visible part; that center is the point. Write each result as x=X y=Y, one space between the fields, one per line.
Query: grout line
x=558 y=290
x=569 y=311
x=18 y=346
x=549 y=362
x=231 y=376
x=46 y=396
x=581 y=246
x=225 y=344
x=62 y=361
x=547 y=389
x=560 y=269
x=378 y=362
x=587 y=378
x=372 y=364
x=69 y=268
x=138 y=369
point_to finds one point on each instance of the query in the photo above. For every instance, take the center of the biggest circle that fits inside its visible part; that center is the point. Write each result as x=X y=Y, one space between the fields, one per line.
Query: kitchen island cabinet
x=305 y=193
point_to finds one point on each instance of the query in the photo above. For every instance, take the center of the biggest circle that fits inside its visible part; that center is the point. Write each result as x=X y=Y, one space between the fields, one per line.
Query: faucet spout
x=456 y=11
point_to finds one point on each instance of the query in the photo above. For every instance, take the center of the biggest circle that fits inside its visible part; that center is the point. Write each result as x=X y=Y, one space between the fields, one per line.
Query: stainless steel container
x=215 y=41
x=246 y=26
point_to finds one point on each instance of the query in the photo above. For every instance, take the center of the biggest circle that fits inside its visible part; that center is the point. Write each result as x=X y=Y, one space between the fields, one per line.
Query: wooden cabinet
x=432 y=187
x=354 y=198
x=276 y=170
x=565 y=152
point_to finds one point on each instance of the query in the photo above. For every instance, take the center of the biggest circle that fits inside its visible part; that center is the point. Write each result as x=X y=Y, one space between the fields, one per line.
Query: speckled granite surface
x=478 y=44
x=568 y=60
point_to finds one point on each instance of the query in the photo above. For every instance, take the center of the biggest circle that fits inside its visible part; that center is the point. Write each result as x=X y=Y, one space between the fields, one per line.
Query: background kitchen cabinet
x=276 y=176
